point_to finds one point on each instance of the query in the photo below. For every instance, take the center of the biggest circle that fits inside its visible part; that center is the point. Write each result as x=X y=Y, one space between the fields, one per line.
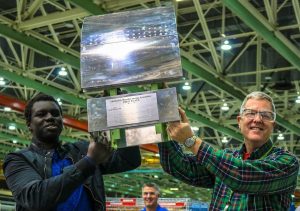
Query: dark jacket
x=28 y=175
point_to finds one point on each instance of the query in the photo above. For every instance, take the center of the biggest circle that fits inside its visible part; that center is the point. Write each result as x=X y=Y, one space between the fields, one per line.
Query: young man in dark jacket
x=49 y=175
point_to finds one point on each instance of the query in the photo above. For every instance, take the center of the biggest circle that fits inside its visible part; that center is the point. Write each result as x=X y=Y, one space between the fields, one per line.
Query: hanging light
x=2 y=82
x=298 y=99
x=59 y=101
x=195 y=129
x=224 y=140
x=226 y=46
x=280 y=137
x=186 y=86
x=63 y=72
x=12 y=127
x=225 y=107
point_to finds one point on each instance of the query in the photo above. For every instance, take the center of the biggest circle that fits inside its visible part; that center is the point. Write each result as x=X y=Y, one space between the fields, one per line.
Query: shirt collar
x=259 y=152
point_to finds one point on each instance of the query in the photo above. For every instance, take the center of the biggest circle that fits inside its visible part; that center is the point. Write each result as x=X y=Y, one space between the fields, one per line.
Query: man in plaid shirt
x=258 y=176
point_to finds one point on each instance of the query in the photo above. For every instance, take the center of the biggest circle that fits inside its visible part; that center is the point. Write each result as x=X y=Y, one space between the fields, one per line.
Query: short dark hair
x=37 y=98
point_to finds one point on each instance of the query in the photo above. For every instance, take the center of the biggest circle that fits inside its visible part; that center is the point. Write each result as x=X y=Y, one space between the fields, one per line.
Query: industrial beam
x=39 y=46
x=89 y=6
x=266 y=31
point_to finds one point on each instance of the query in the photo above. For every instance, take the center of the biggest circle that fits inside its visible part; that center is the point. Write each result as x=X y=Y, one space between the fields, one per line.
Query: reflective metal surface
x=131 y=47
x=142 y=112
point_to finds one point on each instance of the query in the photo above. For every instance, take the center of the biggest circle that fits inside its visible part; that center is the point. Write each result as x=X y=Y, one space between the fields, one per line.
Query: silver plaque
x=134 y=109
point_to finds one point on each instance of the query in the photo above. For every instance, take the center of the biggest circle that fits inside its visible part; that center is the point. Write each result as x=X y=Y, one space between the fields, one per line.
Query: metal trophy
x=131 y=48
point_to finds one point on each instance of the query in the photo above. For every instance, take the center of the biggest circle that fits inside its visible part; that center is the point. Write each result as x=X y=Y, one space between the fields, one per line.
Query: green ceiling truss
x=187 y=65
x=23 y=38
x=266 y=31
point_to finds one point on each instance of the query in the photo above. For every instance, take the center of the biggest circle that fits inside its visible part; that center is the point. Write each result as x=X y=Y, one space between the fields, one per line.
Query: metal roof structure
x=39 y=37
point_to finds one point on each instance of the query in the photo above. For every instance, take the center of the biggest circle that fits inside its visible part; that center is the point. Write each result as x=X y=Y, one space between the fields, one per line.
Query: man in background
x=150 y=194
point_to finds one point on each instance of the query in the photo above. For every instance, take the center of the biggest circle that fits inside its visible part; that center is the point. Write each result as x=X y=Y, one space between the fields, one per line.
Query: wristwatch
x=189 y=142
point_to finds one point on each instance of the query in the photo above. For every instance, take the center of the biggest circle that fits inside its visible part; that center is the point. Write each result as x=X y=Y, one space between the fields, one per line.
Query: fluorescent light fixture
x=186 y=86
x=298 y=99
x=226 y=46
x=174 y=189
x=225 y=107
x=14 y=141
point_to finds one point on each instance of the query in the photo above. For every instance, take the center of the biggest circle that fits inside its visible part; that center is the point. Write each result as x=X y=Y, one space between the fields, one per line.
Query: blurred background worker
x=150 y=194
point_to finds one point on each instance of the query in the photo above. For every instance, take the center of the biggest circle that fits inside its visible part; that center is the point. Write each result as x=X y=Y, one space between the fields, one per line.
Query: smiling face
x=257 y=130
x=46 y=122
x=150 y=196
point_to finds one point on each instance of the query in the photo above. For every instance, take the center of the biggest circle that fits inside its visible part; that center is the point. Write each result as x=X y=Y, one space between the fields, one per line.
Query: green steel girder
x=74 y=61
x=89 y=6
x=26 y=141
x=39 y=46
x=23 y=126
x=211 y=79
x=218 y=83
x=13 y=137
x=57 y=93
x=269 y=36
x=214 y=125
x=7 y=122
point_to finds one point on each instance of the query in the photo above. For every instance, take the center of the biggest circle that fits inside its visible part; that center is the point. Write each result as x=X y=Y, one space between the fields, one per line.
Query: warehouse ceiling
x=40 y=37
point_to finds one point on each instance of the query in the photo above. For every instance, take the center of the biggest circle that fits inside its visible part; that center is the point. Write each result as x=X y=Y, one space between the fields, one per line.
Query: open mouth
x=51 y=126
x=256 y=128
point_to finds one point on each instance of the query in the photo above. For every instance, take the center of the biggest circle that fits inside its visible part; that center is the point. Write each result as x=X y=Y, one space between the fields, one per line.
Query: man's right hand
x=100 y=152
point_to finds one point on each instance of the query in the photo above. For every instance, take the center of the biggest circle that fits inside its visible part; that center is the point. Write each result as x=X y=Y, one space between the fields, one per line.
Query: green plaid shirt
x=265 y=181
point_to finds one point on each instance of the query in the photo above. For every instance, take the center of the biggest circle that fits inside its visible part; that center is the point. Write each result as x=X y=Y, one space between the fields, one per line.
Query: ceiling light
x=298 y=99
x=63 y=72
x=280 y=137
x=7 y=109
x=224 y=140
x=2 y=82
x=14 y=141
x=226 y=46
x=195 y=129
x=225 y=107
x=11 y=127
x=173 y=188
x=186 y=86
x=59 y=101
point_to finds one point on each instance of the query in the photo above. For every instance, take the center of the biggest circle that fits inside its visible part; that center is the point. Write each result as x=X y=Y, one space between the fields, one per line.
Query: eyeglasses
x=265 y=115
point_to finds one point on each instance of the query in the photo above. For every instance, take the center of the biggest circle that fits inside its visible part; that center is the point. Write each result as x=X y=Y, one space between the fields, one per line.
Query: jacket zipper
x=45 y=165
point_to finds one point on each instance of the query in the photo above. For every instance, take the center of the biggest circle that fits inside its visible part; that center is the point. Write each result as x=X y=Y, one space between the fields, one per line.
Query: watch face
x=189 y=142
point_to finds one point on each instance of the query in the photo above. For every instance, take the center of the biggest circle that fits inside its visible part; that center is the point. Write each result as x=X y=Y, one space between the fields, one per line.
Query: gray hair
x=259 y=96
x=152 y=185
